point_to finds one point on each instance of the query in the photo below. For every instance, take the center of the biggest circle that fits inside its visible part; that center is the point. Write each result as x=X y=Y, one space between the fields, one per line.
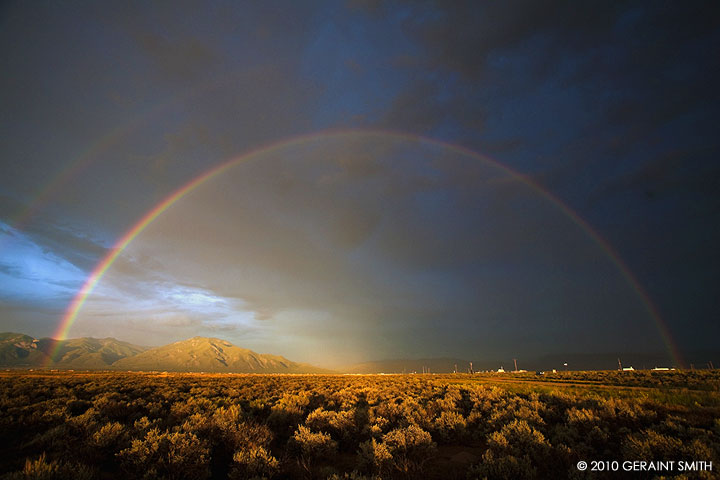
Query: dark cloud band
x=100 y=269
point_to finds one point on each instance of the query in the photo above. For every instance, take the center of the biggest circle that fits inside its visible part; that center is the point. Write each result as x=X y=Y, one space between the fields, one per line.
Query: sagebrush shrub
x=253 y=462
x=176 y=455
x=309 y=446
x=410 y=447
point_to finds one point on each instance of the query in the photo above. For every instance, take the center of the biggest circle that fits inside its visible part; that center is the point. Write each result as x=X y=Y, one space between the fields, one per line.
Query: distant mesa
x=198 y=354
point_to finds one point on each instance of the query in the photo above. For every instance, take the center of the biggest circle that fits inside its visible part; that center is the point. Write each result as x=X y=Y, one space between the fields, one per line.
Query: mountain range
x=202 y=354
x=197 y=354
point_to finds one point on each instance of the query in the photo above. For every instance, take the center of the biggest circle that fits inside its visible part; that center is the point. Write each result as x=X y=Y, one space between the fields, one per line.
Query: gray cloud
x=677 y=171
x=183 y=59
x=611 y=106
x=306 y=242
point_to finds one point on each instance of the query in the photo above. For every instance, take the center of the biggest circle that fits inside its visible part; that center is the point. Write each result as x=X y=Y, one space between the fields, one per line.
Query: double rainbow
x=75 y=306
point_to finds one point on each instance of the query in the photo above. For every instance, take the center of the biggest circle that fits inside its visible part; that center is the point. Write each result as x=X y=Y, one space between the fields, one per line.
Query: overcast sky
x=365 y=245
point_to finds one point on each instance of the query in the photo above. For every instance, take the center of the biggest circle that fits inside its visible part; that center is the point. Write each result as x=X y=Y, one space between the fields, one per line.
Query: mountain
x=19 y=350
x=87 y=352
x=198 y=354
x=201 y=354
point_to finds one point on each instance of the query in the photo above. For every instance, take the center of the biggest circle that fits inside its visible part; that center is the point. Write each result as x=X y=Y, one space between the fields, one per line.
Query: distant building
x=661 y=369
x=628 y=369
x=501 y=370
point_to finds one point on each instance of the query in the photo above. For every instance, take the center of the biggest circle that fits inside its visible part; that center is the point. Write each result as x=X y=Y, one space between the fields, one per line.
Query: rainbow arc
x=96 y=275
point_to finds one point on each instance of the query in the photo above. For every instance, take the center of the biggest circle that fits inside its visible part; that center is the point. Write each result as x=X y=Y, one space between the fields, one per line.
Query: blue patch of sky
x=28 y=271
x=174 y=298
x=192 y=298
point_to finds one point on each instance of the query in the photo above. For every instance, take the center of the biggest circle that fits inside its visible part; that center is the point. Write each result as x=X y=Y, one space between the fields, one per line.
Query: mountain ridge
x=207 y=354
x=196 y=354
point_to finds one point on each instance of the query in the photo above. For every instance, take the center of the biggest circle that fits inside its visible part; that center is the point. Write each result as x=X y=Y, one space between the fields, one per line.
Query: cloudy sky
x=469 y=179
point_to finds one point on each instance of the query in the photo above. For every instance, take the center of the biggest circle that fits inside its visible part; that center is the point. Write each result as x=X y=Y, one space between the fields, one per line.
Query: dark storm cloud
x=314 y=240
x=682 y=171
x=460 y=36
x=190 y=100
x=417 y=108
x=463 y=36
x=609 y=105
x=636 y=66
x=180 y=59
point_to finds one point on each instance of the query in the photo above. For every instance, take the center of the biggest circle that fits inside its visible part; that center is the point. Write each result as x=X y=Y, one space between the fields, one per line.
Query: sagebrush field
x=192 y=426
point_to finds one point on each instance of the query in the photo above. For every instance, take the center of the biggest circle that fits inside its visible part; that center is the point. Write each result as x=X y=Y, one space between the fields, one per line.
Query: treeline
x=97 y=426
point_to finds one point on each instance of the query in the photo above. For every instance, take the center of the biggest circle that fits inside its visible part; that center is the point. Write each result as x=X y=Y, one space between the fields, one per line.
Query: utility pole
x=712 y=367
x=471 y=369
x=455 y=371
x=619 y=364
x=515 y=360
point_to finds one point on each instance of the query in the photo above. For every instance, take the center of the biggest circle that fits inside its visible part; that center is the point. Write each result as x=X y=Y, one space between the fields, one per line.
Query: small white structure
x=661 y=369
x=501 y=370
x=628 y=369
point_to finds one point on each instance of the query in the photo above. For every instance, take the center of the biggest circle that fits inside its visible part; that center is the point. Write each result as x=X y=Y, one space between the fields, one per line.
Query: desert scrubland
x=101 y=425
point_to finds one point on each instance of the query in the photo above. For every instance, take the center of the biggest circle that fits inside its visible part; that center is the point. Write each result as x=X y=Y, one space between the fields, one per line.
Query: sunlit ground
x=160 y=425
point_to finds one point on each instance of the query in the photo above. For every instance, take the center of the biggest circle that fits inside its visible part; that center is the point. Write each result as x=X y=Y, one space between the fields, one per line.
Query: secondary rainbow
x=74 y=308
x=94 y=151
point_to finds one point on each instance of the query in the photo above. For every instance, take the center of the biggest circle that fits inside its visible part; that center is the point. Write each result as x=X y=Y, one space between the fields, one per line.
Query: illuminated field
x=159 y=425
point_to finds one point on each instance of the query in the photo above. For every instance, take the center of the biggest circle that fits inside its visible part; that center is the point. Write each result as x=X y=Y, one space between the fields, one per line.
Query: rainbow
x=74 y=307
x=93 y=151
x=44 y=194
